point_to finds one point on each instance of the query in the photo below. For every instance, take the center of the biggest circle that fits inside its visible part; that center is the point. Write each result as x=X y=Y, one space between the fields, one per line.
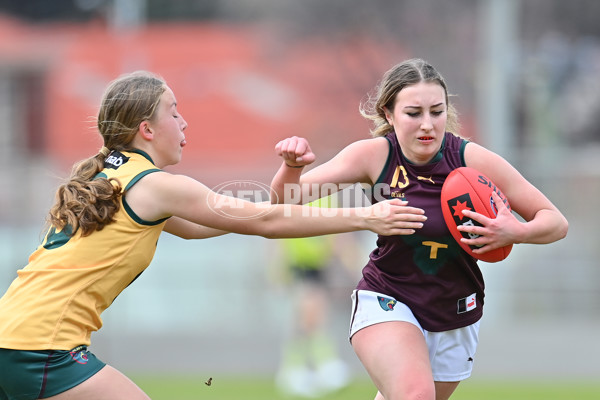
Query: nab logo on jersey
x=457 y=204
x=115 y=160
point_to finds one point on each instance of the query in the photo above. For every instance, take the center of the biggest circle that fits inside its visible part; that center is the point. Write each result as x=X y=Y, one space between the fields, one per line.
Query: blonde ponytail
x=86 y=202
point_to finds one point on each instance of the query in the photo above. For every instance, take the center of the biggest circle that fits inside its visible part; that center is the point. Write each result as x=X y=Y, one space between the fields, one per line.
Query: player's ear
x=388 y=116
x=145 y=130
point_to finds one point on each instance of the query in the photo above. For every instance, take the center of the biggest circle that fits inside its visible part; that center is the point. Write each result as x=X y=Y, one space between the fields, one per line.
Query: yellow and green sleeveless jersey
x=56 y=300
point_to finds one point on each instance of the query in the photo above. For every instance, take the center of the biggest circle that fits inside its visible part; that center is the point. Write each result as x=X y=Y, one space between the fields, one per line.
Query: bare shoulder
x=370 y=154
x=486 y=161
x=157 y=195
x=376 y=155
x=360 y=161
x=377 y=146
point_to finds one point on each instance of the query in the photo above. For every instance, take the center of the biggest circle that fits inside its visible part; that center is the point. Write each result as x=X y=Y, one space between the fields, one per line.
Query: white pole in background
x=497 y=75
x=128 y=14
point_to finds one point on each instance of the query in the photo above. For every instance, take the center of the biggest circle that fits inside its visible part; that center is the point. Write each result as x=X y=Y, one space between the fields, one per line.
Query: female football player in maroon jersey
x=416 y=310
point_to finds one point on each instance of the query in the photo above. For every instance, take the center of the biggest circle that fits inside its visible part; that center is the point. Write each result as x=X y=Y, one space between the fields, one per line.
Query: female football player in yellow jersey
x=103 y=231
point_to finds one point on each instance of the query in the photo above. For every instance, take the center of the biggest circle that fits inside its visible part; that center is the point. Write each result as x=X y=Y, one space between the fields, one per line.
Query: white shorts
x=451 y=353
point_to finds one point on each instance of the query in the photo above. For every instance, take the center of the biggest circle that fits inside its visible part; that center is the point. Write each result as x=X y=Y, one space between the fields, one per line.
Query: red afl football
x=467 y=188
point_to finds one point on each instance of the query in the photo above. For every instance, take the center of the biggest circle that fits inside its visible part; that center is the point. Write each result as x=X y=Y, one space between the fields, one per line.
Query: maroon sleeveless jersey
x=427 y=271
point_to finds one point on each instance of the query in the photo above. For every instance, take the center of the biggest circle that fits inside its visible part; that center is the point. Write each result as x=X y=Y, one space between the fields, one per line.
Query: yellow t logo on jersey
x=434 y=246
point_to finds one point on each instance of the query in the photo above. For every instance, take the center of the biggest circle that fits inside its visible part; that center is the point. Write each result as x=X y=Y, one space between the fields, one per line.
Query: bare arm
x=161 y=195
x=359 y=162
x=189 y=230
x=544 y=223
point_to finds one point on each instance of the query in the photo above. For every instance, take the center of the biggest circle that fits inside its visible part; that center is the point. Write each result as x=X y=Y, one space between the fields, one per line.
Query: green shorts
x=38 y=374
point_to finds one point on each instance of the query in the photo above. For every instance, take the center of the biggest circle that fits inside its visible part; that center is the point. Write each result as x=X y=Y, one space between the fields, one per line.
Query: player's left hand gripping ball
x=467 y=188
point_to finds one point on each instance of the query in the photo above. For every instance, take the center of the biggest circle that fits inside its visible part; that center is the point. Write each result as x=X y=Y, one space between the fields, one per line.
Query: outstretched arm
x=189 y=230
x=161 y=195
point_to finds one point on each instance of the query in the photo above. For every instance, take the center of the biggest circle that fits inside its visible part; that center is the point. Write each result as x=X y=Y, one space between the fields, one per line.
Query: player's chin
x=176 y=158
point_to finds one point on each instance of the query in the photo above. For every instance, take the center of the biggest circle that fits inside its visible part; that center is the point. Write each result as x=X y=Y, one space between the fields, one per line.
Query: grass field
x=228 y=388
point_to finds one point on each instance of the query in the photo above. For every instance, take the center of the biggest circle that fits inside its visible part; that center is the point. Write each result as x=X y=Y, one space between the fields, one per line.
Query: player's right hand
x=295 y=151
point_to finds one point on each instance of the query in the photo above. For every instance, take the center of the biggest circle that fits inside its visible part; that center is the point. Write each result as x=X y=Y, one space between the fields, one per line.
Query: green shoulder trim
x=139 y=176
x=143 y=153
x=440 y=154
x=463 y=145
x=387 y=162
x=128 y=209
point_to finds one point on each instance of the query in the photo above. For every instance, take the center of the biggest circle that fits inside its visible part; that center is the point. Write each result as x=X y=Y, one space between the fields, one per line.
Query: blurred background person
x=310 y=362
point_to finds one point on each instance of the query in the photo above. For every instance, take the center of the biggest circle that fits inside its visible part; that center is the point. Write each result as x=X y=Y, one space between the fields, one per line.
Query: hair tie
x=105 y=151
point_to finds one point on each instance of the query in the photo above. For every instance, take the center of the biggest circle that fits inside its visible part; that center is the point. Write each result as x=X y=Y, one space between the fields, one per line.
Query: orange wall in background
x=240 y=88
